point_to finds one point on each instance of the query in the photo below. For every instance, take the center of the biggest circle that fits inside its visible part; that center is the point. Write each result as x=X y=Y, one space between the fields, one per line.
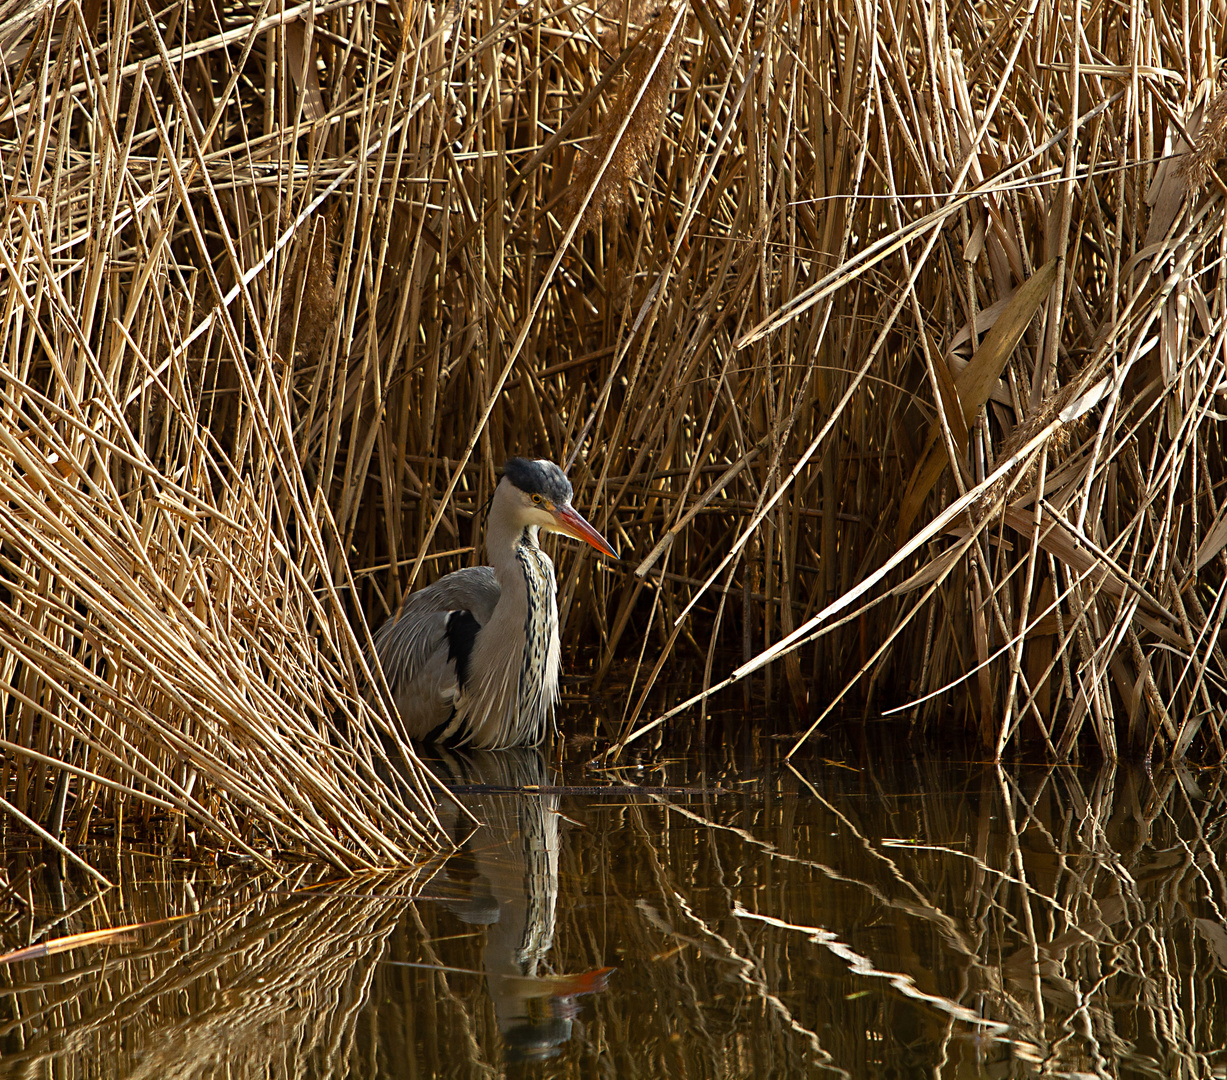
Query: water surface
x=871 y=912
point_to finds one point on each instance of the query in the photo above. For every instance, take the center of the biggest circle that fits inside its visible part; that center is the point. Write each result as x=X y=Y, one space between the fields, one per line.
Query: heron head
x=543 y=498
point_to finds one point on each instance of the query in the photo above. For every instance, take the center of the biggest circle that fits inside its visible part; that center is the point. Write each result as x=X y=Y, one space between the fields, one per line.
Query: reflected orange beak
x=573 y=524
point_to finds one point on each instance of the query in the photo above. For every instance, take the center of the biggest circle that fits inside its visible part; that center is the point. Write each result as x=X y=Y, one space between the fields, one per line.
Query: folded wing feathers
x=413 y=645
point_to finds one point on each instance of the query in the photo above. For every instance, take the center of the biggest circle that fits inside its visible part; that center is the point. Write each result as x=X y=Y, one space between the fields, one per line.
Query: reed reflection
x=504 y=877
x=875 y=916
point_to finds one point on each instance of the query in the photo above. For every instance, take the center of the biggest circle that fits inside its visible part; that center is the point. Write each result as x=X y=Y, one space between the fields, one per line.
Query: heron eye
x=537 y=499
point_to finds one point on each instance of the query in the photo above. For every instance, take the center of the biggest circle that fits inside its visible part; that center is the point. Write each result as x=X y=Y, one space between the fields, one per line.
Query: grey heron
x=473 y=659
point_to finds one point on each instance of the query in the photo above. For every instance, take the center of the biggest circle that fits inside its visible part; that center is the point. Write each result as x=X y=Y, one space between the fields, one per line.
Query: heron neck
x=505 y=536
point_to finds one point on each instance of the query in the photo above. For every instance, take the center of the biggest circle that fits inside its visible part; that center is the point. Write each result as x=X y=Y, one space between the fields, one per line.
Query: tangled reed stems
x=175 y=645
x=805 y=290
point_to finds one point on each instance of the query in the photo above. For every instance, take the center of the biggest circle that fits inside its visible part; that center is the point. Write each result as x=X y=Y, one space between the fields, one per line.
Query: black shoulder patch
x=462 y=630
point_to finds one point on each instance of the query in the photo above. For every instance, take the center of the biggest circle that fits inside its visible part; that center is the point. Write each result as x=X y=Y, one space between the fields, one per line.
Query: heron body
x=474 y=658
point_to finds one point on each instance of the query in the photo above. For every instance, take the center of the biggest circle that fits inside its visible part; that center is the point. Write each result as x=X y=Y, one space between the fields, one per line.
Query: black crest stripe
x=539 y=478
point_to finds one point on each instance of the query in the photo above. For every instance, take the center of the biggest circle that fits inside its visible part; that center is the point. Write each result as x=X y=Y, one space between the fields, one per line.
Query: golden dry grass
x=283 y=286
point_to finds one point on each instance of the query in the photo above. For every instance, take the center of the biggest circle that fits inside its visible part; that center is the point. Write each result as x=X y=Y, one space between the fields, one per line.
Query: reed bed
x=176 y=659
x=885 y=341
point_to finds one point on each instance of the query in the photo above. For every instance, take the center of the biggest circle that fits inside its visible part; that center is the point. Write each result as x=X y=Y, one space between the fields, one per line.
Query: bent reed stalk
x=926 y=297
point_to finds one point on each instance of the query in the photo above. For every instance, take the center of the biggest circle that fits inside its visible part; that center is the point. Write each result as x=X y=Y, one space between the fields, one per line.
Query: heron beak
x=572 y=524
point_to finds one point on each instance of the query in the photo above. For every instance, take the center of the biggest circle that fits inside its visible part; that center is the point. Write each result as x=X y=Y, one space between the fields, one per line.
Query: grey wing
x=415 y=650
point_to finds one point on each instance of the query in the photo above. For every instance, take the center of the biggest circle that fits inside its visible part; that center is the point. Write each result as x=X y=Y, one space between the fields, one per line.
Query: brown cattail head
x=1211 y=143
x=304 y=326
x=638 y=141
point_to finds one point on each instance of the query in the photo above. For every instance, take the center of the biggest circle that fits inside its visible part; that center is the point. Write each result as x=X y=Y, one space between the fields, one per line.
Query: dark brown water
x=872 y=913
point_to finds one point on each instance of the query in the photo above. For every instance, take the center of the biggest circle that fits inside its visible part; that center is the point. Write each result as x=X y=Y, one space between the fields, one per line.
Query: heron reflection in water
x=473 y=659
x=505 y=877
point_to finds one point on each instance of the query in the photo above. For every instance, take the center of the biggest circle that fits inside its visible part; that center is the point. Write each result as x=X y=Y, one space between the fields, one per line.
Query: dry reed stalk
x=811 y=225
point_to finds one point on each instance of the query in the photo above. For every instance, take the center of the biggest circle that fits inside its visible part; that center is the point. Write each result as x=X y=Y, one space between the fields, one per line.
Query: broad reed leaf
x=973 y=387
x=976 y=381
x=109 y=936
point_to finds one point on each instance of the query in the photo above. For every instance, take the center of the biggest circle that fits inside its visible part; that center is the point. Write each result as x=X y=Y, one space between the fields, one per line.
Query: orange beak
x=572 y=524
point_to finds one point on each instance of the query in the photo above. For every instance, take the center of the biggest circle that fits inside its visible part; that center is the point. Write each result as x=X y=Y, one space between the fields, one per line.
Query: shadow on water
x=879 y=915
